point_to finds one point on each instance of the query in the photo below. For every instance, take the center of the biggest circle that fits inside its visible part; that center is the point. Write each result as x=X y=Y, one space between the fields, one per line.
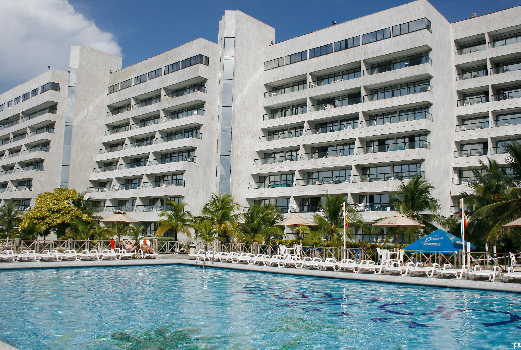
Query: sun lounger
x=511 y=275
x=92 y=255
x=448 y=271
x=311 y=263
x=49 y=255
x=289 y=260
x=329 y=263
x=69 y=255
x=419 y=268
x=273 y=260
x=109 y=254
x=28 y=255
x=396 y=267
x=346 y=265
x=8 y=255
x=370 y=266
x=123 y=254
x=242 y=258
x=257 y=259
x=491 y=274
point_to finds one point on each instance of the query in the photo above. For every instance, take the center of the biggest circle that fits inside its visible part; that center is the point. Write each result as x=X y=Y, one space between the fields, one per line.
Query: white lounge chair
x=257 y=259
x=346 y=265
x=448 y=271
x=370 y=266
x=329 y=263
x=478 y=271
x=50 y=255
x=419 y=268
x=109 y=254
x=511 y=275
x=69 y=255
x=9 y=255
x=86 y=255
x=308 y=263
x=289 y=261
x=28 y=255
x=242 y=258
x=273 y=260
x=123 y=254
x=397 y=267
x=199 y=255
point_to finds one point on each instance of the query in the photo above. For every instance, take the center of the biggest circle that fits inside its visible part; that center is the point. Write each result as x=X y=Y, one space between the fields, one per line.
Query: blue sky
x=139 y=29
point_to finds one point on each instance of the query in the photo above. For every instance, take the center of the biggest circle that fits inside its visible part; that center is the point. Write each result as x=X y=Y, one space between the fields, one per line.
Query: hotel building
x=349 y=109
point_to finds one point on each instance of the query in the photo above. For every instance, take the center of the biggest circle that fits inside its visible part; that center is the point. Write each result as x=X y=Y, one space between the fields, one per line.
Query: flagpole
x=463 y=229
x=344 y=251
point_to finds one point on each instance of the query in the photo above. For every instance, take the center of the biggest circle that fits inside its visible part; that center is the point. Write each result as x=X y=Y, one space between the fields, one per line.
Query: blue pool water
x=185 y=307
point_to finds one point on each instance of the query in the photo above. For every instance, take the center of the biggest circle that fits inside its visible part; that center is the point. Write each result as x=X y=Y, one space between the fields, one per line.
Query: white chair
x=419 y=268
x=346 y=265
x=329 y=263
x=92 y=255
x=50 y=255
x=109 y=254
x=243 y=258
x=448 y=271
x=28 y=255
x=8 y=255
x=69 y=255
x=511 y=275
x=478 y=271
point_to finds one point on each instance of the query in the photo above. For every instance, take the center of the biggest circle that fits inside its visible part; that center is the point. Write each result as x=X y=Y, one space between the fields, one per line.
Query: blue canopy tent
x=438 y=241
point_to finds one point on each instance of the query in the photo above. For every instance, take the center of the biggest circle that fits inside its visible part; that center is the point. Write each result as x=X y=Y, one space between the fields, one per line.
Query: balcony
x=469 y=48
x=397 y=92
x=473 y=100
x=163 y=184
x=336 y=103
x=391 y=147
x=507 y=95
x=473 y=74
x=507 y=67
x=515 y=38
x=399 y=64
x=471 y=153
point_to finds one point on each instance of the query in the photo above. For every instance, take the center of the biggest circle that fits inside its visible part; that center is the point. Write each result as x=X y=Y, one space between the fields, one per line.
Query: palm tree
x=259 y=223
x=9 y=217
x=136 y=230
x=221 y=210
x=203 y=229
x=81 y=230
x=176 y=220
x=29 y=232
x=117 y=229
x=502 y=206
x=414 y=200
x=331 y=222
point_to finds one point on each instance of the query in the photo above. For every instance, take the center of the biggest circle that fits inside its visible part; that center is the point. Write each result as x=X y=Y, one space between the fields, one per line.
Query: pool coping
x=511 y=287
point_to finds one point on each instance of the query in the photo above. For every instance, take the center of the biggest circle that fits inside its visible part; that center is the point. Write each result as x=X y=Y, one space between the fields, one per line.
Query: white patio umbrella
x=118 y=218
x=515 y=223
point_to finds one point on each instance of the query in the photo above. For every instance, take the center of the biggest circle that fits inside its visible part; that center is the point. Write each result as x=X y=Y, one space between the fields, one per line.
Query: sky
x=38 y=33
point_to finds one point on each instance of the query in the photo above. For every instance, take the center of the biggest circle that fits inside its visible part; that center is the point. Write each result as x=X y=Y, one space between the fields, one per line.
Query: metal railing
x=507 y=95
x=470 y=49
x=469 y=101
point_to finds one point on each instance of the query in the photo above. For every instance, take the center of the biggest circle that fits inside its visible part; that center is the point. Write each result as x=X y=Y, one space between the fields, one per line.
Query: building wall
x=119 y=116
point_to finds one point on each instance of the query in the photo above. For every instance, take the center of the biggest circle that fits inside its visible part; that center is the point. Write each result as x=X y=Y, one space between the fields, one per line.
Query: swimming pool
x=170 y=307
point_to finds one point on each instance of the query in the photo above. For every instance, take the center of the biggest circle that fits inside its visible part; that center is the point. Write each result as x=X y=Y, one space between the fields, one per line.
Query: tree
x=83 y=230
x=9 y=217
x=497 y=208
x=55 y=211
x=331 y=222
x=203 y=229
x=259 y=223
x=176 y=220
x=414 y=200
x=117 y=229
x=136 y=231
x=221 y=210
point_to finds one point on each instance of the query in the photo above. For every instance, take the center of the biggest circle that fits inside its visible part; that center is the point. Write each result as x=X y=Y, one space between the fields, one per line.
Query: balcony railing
x=276 y=160
x=399 y=65
x=506 y=41
x=191 y=159
x=274 y=184
x=398 y=119
x=117 y=130
x=336 y=104
x=507 y=95
x=471 y=153
x=507 y=68
x=469 y=101
x=473 y=126
x=470 y=49
x=374 y=207
x=152 y=208
x=187 y=91
x=410 y=90
x=98 y=189
x=156 y=184
x=285 y=113
x=474 y=74
x=387 y=176
x=397 y=147
x=125 y=208
x=104 y=169
x=308 y=208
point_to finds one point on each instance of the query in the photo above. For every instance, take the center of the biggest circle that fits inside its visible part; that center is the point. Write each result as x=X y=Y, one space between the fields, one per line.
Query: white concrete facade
x=349 y=109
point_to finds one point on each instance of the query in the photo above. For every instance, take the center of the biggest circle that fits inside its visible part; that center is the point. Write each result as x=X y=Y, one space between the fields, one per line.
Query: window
x=337 y=101
x=137 y=162
x=2 y=107
x=347 y=43
x=186 y=112
x=155 y=73
x=177 y=156
x=336 y=125
x=309 y=205
x=287 y=88
x=508 y=119
x=280 y=203
x=280 y=156
x=285 y=133
x=399 y=116
x=125 y=84
x=404 y=89
x=338 y=76
x=149 y=101
x=288 y=111
x=183 y=134
x=172 y=67
x=199 y=87
x=168 y=180
x=334 y=176
x=49 y=86
x=335 y=150
x=26 y=96
x=17 y=100
x=282 y=61
x=376 y=36
x=140 y=79
x=320 y=51
x=113 y=88
x=399 y=63
x=409 y=27
x=474 y=149
x=374 y=202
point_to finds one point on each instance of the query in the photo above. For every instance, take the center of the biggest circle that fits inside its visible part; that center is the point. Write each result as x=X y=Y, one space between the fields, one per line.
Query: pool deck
x=512 y=287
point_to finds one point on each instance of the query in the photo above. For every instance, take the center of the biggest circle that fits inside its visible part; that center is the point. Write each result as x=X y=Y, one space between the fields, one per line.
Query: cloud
x=39 y=33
